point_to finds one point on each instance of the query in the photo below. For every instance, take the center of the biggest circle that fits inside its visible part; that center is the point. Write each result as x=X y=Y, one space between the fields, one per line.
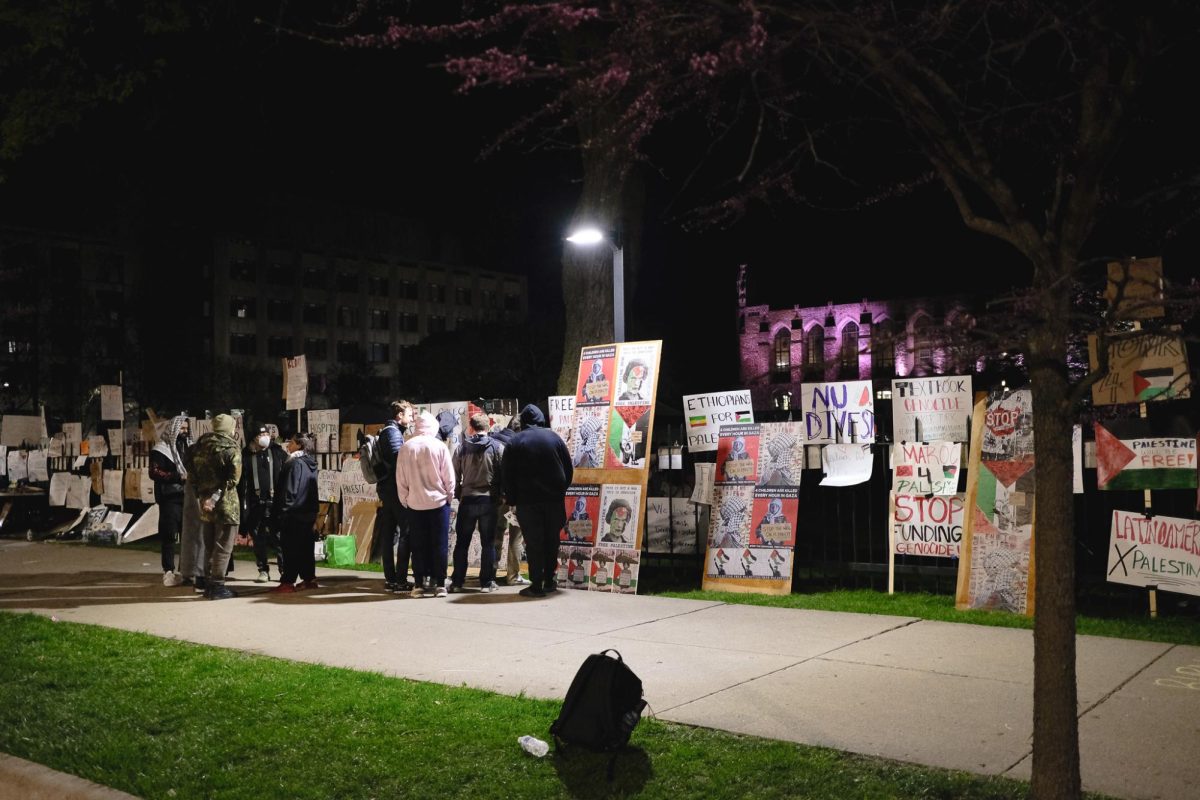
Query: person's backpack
x=370 y=459
x=602 y=706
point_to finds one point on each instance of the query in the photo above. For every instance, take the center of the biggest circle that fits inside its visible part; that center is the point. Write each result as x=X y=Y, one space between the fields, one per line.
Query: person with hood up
x=296 y=512
x=216 y=466
x=262 y=461
x=449 y=429
x=477 y=465
x=168 y=473
x=536 y=472
x=504 y=518
x=425 y=484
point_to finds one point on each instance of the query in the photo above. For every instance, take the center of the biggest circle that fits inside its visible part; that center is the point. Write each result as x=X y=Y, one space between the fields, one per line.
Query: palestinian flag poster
x=995 y=569
x=1128 y=456
x=1142 y=368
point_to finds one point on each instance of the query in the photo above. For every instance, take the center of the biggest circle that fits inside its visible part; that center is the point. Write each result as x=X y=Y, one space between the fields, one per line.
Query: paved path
x=942 y=694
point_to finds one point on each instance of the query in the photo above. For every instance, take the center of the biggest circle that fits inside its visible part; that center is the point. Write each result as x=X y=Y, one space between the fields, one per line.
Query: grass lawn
x=161 y=718
x=1175 y=630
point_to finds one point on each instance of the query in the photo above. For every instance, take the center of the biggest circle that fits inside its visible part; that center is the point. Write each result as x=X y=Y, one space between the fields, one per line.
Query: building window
x=378 y=320
x=409 y=323
x=314 y=278
x=279 y=346
x=883 y=347
x=347 y=351
x=377 y=285
x=111 y=268
x=243 y=269
x=377 y=352
x=781 y=357
x=814 y=346
x=242 y=308
x=348 y=317
x=279 y=311
x=850 y=345
x=437 y=324
x=316 y=348
x=406 y=351
x=511 y=302
x=315 y=313
x=243 y=344
x=279 y=275
x=408 y=290
x=462 y=296
x=437 y=293
x=781 y=400
x=797 y=324
x=489 y=299
x=347 y=281
x=922 y=345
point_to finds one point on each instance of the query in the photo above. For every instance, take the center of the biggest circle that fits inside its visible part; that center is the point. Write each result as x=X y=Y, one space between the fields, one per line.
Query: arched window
x=922 y=346
x=814 y=346
x=781 y=356
x=781 y=400
x=883 y=347
x=850 y=345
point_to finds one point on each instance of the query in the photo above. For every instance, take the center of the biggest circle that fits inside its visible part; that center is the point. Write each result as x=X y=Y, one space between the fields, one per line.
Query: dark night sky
x=249 y=114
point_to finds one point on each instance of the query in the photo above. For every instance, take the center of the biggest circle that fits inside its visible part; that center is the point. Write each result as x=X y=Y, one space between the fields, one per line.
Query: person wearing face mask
x=262 y=461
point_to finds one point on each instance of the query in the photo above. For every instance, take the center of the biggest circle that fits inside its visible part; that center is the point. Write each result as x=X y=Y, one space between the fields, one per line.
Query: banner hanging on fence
x=1128 y=456
x=926 y=467
x=1155 y=551
x=704 y=414
x=929 y=409
x=842 y=411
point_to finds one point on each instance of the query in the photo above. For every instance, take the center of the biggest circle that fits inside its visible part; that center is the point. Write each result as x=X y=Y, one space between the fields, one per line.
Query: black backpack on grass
x=602 y=706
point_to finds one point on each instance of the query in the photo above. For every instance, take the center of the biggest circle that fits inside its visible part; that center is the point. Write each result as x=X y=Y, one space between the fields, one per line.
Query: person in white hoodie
x=425 y=485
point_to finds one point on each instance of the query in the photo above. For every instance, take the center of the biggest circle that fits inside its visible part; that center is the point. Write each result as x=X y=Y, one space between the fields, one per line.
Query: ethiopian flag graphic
x=698 y=422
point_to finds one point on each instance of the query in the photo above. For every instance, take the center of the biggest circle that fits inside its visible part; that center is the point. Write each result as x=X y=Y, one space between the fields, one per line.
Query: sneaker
x=283 y=588
x=391 y=587
x=531 y=591
x=263 y=576
x=201 y=585
x=172 y=579
x=491 y=587
x=441 y=591
x=453 y=588
x=417 y=591
x=218 y=592
x=520 y=580
x=550 y=587
x=187 y=582
x=311 y=583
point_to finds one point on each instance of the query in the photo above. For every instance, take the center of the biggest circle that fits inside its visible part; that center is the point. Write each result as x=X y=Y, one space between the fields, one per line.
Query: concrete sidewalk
x=946 y=695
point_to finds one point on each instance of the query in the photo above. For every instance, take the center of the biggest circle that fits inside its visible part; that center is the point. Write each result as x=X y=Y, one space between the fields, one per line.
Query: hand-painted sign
x=838 y=412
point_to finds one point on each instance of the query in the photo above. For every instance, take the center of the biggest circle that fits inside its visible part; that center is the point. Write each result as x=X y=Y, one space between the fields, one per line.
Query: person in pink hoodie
x=425 y=484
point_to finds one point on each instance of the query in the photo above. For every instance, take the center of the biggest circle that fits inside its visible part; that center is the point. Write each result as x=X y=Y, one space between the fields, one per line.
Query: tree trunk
x=588 y=271
x=1055 y=715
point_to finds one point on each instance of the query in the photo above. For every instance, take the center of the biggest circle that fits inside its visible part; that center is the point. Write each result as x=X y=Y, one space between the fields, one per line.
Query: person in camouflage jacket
x=216 y=467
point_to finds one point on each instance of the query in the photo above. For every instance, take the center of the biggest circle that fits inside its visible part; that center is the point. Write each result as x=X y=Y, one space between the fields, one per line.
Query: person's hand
x=208 y=506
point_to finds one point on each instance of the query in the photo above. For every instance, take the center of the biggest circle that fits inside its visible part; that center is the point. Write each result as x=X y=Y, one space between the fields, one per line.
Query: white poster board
x=113 y=484
x=1155 y=551
x=111 y=407
x=562 y=415
x=295 y=382
x=324 y=425
x=18 y=430
x=59 y=483
x=926 y=467
x=846 y=464
x=838 y=411
x=37 y=466
x=704 y=414
x=934 y=408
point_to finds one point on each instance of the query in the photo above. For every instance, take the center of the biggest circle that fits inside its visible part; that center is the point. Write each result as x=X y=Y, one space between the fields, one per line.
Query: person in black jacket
x=391 y=520
x=168 y=473
x=537 y=471
x=262 y=461
x=296 y=513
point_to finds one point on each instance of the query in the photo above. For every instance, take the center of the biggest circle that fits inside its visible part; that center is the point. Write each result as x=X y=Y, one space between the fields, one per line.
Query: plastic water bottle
x=534 y=746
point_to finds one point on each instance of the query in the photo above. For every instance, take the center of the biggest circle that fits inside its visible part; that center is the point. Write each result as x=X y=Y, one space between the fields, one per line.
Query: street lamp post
x=586 y=237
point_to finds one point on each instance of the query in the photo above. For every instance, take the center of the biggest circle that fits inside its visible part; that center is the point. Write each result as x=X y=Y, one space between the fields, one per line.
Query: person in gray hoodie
x=295 y=512
x=477 y=467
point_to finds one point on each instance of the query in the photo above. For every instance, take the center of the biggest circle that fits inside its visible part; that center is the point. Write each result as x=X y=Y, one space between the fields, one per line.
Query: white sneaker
x=520 y=580
x=491 y=587
x=441 y=592
x=417 y=592
x=263 y=576
x=172 y=579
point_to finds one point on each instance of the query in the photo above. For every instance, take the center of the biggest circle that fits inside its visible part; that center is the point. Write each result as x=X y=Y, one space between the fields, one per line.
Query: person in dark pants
x=262 y=461
x=536 y=473
x=296 y=515
x=168 y=473
x=477 y=467
x=425 y=484
x=391 y=520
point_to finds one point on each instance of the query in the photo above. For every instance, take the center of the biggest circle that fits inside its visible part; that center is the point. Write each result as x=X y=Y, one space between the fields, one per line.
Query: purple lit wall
x=873 y=339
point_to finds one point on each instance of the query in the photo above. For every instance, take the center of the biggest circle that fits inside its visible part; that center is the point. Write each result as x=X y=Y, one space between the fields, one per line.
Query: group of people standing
x=205 y=498
x=210 y=490
x=522 y=470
